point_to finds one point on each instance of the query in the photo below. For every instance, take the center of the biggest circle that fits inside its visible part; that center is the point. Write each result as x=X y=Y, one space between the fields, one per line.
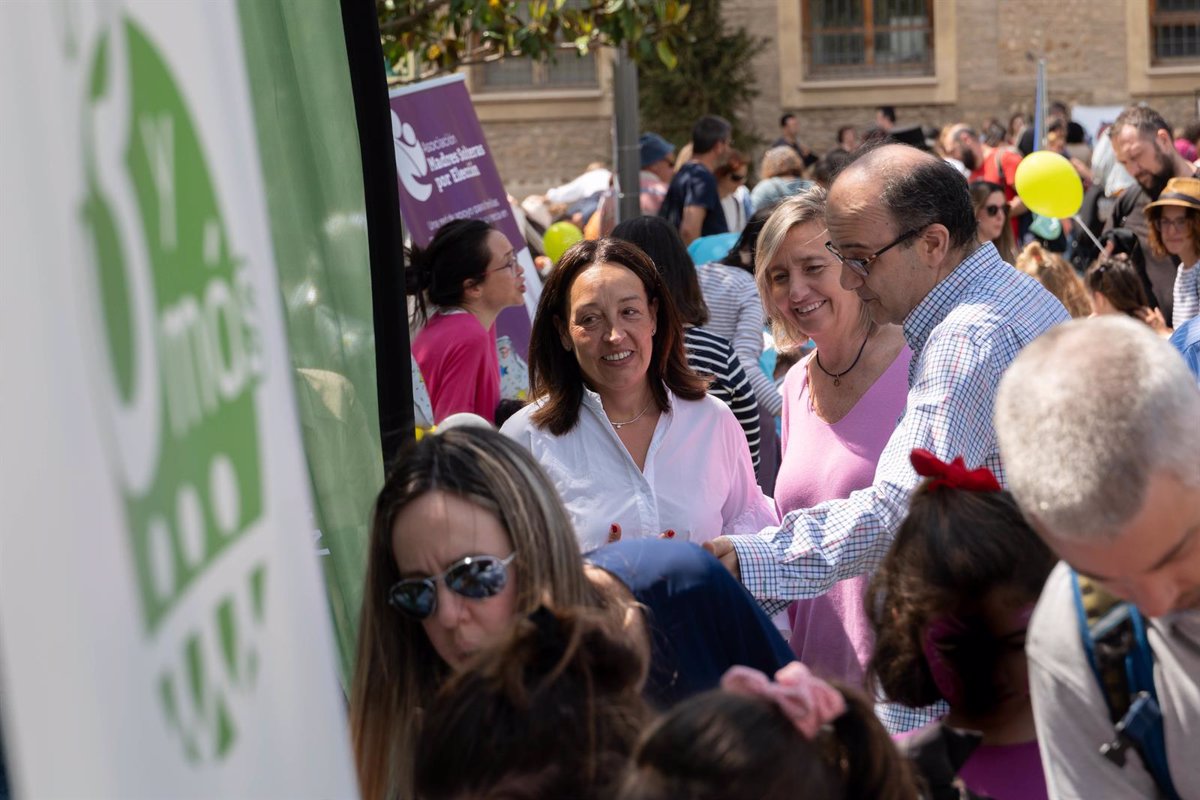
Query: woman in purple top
x=950 y=605
x=840 y=405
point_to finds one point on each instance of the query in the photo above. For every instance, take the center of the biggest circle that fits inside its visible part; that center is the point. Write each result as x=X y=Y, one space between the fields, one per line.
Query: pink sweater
x=457 y=357
x=830 y=633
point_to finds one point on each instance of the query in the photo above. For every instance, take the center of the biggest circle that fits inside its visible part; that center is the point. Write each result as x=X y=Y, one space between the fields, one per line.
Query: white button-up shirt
x=698 y=480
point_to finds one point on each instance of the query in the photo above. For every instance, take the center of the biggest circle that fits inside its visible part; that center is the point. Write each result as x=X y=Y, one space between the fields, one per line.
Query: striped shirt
x=735 y=312
x=1187 y=294
x=963 y=335
x=710 y=354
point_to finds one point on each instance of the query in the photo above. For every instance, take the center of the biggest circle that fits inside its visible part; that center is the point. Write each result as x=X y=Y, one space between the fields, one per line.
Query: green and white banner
x=163 y=628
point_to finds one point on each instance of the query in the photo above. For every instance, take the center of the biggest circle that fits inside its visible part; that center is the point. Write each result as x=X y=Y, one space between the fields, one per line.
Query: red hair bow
x=955 y=474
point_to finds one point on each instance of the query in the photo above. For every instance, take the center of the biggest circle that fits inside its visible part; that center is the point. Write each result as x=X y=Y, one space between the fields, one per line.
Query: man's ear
x=934 y=243
x=1165 y=143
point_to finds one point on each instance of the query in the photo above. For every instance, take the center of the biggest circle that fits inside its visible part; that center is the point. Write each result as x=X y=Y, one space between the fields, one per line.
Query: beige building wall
x=1096 y=51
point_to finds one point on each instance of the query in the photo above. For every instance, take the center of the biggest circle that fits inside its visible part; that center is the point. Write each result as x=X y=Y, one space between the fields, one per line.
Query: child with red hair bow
x=950 y=605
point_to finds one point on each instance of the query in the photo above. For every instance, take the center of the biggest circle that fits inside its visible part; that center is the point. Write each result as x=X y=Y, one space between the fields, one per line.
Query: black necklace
x=837 y=379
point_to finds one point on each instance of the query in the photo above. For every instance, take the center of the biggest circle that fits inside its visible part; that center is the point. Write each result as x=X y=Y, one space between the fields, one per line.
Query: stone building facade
x=936 y=62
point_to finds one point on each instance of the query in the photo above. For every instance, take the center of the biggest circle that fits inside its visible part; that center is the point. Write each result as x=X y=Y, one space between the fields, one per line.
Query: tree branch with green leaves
x=424 y=38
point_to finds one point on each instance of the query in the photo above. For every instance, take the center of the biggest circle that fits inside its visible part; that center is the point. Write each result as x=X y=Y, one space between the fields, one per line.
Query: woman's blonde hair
x=1052 y=271
x=397 y=671
x=800 y=209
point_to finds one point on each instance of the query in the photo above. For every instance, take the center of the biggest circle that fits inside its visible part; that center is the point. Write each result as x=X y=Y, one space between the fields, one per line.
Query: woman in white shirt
x=623 y=427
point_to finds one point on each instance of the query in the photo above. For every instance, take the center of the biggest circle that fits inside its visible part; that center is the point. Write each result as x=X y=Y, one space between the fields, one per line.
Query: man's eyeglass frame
x=859 y=265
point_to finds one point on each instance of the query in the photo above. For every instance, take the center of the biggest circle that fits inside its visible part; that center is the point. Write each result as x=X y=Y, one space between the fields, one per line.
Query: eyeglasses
x=474 y=577
x=859 y=265
x=994 y=210
x=1178 y=223
x=510 y=265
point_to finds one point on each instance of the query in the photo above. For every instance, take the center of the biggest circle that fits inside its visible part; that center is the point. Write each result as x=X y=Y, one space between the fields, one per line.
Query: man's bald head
x=916 y=189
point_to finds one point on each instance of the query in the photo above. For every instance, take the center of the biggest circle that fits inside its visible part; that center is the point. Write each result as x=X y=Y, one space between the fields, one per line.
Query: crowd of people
x=973 y=569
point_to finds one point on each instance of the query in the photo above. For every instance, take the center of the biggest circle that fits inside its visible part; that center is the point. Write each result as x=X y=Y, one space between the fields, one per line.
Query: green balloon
x=559 y=237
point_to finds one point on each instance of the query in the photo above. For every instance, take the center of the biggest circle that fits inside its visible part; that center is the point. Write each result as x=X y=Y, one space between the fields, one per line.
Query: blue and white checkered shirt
x=963 y=335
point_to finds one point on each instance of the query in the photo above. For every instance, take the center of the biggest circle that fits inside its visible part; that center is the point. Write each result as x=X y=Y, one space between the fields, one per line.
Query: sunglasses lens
x=478 y=578
x=414 y=597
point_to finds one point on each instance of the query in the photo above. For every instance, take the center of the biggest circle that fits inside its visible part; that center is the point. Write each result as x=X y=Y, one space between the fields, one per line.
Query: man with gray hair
x=1099 y=428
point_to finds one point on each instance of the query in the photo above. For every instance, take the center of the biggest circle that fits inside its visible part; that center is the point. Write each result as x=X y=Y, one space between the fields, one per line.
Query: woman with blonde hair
x=1059 y=278
x=840 y=405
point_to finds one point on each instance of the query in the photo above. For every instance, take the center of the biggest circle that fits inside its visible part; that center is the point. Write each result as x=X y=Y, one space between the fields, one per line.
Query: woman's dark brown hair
x=553 y=711
x=660 y=240
x=1117 y=279
x=719 y=744
x=554 y=375
x=954 y=551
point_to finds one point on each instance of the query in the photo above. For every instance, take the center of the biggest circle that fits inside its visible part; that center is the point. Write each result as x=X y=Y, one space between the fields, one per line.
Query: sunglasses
x=859 y=265
x=738 y=176
x=994 y=210
x=473 y=577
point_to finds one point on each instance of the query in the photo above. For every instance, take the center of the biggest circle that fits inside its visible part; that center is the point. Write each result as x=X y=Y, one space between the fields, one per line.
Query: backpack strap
x=1114 y=638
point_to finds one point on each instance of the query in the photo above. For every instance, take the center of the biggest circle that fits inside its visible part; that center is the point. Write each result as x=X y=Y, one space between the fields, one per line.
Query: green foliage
x=713 y=75
x=422 y=38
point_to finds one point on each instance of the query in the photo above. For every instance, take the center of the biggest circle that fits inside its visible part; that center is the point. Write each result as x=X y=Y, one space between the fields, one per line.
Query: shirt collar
x=947 y=294
x=592 y=401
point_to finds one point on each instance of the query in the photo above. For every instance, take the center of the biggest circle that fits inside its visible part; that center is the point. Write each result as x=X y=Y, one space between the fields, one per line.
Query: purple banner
x=446 y=172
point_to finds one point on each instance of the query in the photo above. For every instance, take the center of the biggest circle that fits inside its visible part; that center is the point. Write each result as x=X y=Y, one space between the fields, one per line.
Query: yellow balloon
x=559 y=237
x=1049 y=185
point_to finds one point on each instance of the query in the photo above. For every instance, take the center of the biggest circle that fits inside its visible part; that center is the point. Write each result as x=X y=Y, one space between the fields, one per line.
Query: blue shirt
x=701 y=620
x=694 y=185
x=963 y=335
x=1186 y=340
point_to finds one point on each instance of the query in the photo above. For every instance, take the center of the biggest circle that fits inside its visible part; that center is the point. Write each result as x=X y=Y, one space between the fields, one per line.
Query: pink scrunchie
x=805 y=699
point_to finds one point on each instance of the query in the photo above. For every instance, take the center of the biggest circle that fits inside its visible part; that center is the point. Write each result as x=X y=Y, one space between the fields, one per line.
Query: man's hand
x=722 y=548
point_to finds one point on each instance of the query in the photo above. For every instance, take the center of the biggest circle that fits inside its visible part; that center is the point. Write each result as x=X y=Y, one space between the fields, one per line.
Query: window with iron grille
x=868 y=38
x=1175 y=32
x=517 y=73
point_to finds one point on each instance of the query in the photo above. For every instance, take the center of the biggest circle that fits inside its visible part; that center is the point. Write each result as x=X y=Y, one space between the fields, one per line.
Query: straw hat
x=1181 y=192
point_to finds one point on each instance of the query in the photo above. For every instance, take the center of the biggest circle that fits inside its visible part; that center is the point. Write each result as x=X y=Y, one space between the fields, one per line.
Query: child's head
x=951 y=601
x=551 y=711
x=770 y=741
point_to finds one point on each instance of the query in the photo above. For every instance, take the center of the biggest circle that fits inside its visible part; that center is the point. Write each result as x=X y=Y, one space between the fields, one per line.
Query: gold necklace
x=642 y=413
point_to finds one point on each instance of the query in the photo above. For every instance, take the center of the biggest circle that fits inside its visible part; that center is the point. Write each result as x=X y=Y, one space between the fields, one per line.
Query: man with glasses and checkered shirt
x=901 y=223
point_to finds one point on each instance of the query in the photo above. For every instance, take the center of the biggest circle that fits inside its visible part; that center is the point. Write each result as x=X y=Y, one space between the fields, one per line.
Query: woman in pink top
x=840 y=405
x=468 y=274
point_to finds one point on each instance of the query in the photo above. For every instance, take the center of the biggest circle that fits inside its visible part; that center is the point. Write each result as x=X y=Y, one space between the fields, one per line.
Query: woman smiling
x=840 y=405
x=624 y=428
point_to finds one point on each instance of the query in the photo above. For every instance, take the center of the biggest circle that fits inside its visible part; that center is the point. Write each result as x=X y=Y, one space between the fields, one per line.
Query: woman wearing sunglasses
x=469 y=535
x=731 y=187
x=462 y=281
x=991 y=212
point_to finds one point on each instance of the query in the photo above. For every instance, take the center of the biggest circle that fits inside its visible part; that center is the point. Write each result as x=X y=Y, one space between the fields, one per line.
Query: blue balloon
x=707 y=249
x=1045 y=228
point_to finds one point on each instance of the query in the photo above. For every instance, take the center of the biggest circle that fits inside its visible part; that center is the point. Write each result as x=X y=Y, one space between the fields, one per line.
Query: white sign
x=162 y=627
